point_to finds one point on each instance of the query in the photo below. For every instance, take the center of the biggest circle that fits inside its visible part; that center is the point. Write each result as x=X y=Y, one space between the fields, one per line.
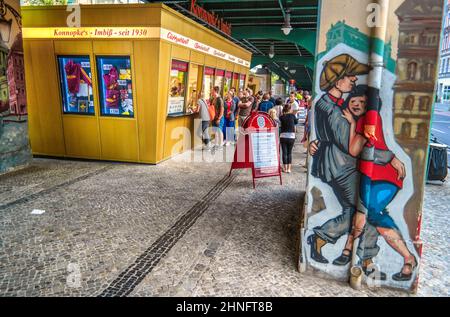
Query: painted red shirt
x=376 y=172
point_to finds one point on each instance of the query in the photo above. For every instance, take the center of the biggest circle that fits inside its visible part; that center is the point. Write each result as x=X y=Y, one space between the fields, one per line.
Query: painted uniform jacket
x=380 y=168
x=333 y=159
x=74 y=74
x=112 y=92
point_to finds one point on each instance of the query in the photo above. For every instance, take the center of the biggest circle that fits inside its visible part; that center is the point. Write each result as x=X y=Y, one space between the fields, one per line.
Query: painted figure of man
x=334 y=165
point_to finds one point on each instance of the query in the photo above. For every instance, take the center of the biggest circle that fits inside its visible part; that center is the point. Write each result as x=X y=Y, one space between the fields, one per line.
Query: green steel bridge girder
x=303 y=82
x=301 y=37
x=298 y=60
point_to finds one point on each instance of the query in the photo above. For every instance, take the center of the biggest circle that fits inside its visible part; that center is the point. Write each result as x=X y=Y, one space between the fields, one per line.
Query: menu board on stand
x=258 y=148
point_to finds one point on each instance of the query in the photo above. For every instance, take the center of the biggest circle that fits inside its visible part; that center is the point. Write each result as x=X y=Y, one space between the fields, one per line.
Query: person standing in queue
x=292 y=100
x=202 y=110
x=229 y=125
x=245 y=107
x=266 y=104
x=271 y=98
x=279 y=107
x=219 y=120
x=287 y=136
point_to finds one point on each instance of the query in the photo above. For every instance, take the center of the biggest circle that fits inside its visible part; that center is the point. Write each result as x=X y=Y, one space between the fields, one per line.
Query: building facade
x=443 y=92
x=16 y=79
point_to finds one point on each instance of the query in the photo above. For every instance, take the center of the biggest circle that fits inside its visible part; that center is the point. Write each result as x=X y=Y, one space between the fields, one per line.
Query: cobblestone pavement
x=175 y=229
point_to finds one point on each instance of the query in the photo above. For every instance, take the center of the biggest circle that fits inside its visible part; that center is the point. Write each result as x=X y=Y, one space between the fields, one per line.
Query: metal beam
x=267 y=17
x=293 y=59
x=282 y=9
x=303 y=38
x=263 y=9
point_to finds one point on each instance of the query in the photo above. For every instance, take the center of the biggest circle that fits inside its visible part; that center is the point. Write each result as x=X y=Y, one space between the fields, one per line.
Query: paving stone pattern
x=175 y=229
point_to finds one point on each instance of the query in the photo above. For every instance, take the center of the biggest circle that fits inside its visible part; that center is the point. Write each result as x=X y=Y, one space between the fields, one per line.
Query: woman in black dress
x=287 y=136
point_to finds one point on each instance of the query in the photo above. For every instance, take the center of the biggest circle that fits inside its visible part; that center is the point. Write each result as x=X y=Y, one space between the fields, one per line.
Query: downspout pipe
x=378 y=34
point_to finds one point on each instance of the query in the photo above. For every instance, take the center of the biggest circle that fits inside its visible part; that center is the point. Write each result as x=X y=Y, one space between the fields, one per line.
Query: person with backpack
x=266 y=104
x=204 y=115
x=219 y=119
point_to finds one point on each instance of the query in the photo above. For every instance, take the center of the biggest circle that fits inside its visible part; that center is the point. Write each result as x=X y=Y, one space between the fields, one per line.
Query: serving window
x=241 y=81
x=228 y=81
x=115 y=86
x=219 y=79
x=208 y=82
x=195 y=78
x=236 y=81
x=76 y=84
x=177 y=89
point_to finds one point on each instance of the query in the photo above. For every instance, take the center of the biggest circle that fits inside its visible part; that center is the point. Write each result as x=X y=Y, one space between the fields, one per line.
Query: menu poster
x=176 y=105
x=264 y=147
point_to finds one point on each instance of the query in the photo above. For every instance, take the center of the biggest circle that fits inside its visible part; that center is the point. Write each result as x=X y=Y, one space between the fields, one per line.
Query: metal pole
x=378 y=35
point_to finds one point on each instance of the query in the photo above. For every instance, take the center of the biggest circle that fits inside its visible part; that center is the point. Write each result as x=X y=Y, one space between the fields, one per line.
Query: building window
x=406 y=130
x=446 y=93
x=412 y=70
x=408 y=105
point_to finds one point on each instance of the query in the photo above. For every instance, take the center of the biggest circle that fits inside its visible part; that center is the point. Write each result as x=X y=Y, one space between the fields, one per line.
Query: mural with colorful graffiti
x=14 y=142
x=366 y=173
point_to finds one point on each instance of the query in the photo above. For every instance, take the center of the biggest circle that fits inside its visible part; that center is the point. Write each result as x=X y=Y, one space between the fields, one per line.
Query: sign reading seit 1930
x=210 y=17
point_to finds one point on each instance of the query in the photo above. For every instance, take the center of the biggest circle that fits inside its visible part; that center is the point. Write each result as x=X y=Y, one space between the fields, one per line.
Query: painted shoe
x=402 y=277
x=315 y=254
x=343 y=259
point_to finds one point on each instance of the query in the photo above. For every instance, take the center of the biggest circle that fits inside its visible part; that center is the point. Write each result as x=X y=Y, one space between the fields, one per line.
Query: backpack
x=211 y=110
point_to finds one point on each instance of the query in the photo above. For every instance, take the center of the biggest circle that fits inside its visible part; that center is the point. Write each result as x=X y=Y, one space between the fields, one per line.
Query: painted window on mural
x=75 y=78
x=409 y=103
x=424 y=103
x=406 y=130
x=412 y=69
x=177 y=89
x=115 y=86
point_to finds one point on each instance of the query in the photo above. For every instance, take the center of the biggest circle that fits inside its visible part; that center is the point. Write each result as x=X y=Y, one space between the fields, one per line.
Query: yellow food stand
x=117 y=86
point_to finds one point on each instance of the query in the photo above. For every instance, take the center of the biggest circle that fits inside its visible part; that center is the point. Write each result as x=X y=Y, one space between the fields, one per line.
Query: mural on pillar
x=364 y=196
x=14 y=144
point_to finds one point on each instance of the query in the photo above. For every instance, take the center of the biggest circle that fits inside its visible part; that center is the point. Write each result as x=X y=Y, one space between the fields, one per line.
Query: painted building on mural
x=341 y=33
x=16 y=79
x=414 y=89
x=4 y=103
x=391 y=125
x=14 y=142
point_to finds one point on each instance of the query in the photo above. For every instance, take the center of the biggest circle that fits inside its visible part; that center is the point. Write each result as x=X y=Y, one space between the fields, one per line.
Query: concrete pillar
x=375 y=70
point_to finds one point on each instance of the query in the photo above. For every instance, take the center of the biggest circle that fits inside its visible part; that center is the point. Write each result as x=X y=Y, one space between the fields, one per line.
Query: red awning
x=209 y=71
x=180 y=66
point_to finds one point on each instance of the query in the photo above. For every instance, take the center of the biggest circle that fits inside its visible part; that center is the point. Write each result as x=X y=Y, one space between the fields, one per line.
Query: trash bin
x=437 y=162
